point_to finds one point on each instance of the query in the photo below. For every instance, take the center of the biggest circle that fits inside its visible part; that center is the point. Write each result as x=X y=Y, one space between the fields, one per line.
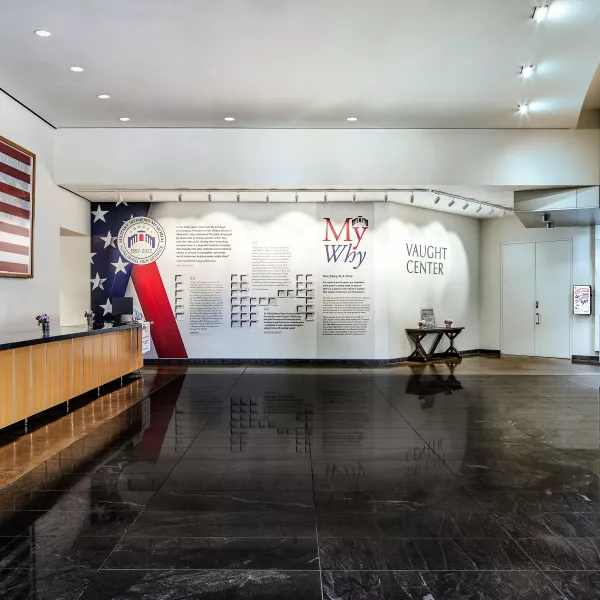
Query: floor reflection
x=379 y=483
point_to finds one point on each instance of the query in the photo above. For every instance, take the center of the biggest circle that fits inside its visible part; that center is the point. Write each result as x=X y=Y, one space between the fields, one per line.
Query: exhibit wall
x=327 y=281
x=494 y=233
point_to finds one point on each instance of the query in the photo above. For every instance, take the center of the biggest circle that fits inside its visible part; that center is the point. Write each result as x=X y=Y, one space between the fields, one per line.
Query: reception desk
x=38 y=373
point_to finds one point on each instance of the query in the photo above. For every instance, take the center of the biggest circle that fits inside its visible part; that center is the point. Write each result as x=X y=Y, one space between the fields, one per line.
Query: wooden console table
x=417 y=335
x=37 y=373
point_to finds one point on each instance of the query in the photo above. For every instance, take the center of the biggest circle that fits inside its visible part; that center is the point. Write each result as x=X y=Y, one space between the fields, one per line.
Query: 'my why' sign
x=349 y=238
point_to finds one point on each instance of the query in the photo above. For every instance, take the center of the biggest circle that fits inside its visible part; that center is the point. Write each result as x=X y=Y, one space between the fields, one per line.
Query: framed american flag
x=17 y=201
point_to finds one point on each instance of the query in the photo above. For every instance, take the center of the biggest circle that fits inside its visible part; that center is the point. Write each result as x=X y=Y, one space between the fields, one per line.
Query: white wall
x=188 y=158
x=453 y=295
x=495 y=232
x=22 y=299
x=74 y=279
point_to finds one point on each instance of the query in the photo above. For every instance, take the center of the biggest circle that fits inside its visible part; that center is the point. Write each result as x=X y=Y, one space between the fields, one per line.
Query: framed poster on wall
x=582 y=299
x=17 y=201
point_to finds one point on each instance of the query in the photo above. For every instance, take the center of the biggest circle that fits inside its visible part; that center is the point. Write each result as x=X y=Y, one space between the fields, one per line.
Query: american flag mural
x=17 y=191
x=111 y=275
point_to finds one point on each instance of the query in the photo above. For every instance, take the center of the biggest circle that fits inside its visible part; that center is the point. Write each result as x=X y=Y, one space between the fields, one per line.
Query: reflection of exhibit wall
x=373 y=303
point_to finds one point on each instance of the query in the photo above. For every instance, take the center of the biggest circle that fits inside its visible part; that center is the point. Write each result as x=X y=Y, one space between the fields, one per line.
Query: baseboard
x=305 y=361
x=582 y=359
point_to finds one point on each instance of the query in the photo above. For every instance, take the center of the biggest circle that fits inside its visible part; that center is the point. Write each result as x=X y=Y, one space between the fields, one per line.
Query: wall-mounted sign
x=582 y=299
x=17 y=198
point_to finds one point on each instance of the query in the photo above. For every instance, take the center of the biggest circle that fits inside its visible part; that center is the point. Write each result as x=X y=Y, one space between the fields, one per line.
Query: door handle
x=537 y=318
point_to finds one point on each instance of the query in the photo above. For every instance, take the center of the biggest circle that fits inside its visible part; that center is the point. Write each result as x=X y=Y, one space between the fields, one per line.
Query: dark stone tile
x=288 y=554
x=411 y=585
x=212 y=585
x=409 y=523
x=104 y=520
x=60 y=554
x=249 y=482
x=381 y=554
x=582 y=585
x=563 y=554
x=17 y=585
x=229 y=514
x=365 y=585
x=482 y=585
x=540 y=525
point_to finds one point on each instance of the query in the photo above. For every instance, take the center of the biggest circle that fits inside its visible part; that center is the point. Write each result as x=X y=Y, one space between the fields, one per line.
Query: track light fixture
x=491 y=211
x=209 y=197
x=267 y=198
x=353 y=196
x=237 y=197
x=151 y=197
x=479 y=208
x=325 y=197
x=412 y=198
x=296 y=197
x=436 y=201
x=540 y=13
x=180 y=197
x=465 y=206
x=452 y=202
x=385 y=198
x=503 y=214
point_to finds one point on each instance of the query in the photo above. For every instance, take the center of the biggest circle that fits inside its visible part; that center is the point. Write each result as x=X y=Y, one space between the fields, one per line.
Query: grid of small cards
x=244 y=308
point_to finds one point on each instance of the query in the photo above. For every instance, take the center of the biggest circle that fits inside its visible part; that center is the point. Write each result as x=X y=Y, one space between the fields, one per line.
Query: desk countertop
x=432 y=329
x=18 y=339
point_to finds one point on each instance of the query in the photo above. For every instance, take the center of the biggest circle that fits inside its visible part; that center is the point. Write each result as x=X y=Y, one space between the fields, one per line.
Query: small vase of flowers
x=89 y=315
x=448 y=323
x=44 y=322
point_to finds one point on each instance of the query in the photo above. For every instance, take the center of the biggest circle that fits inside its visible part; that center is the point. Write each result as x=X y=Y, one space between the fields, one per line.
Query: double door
x=536 y=299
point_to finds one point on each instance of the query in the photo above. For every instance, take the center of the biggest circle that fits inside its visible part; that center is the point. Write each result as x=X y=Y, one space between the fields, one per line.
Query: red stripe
x=8 y=170
x=7 y=267
x=14 y=153
x=156 y=307
x=13 y=191
x=14 y=229
x=15 y=211
x=14 y=248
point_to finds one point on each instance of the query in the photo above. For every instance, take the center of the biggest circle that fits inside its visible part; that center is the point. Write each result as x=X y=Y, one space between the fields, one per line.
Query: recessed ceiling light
x=42 y=33
x=124 y=119
x=352 y=119
x=229 y=119
x=540 y=13
x=77 y=69
x=523 y=109
x=527 y=71
x=103 y=96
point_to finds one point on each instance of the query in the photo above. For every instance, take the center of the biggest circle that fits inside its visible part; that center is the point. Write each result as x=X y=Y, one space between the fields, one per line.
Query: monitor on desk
x=120 y=308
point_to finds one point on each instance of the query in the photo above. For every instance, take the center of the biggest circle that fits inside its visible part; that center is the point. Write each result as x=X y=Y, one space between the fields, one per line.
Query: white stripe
x=17 y=164
x=8 y=199
x=14 y=258
x=14 y=182
x=11 y=238
x=12 y=220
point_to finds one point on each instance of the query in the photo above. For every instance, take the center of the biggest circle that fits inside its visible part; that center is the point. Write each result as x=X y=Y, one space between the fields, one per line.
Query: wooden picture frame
x=17 y=166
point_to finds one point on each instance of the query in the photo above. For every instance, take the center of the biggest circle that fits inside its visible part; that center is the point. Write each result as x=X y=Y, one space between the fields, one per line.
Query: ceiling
x=307 y=63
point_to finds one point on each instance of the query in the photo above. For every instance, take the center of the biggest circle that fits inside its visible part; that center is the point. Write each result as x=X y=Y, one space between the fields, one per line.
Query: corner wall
x=22 y=299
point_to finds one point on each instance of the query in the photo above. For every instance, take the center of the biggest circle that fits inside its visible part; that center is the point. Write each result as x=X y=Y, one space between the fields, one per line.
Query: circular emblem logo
x=141 y=240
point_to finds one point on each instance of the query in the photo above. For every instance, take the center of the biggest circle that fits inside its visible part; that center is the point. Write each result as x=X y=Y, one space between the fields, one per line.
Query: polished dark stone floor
x=339 y=484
